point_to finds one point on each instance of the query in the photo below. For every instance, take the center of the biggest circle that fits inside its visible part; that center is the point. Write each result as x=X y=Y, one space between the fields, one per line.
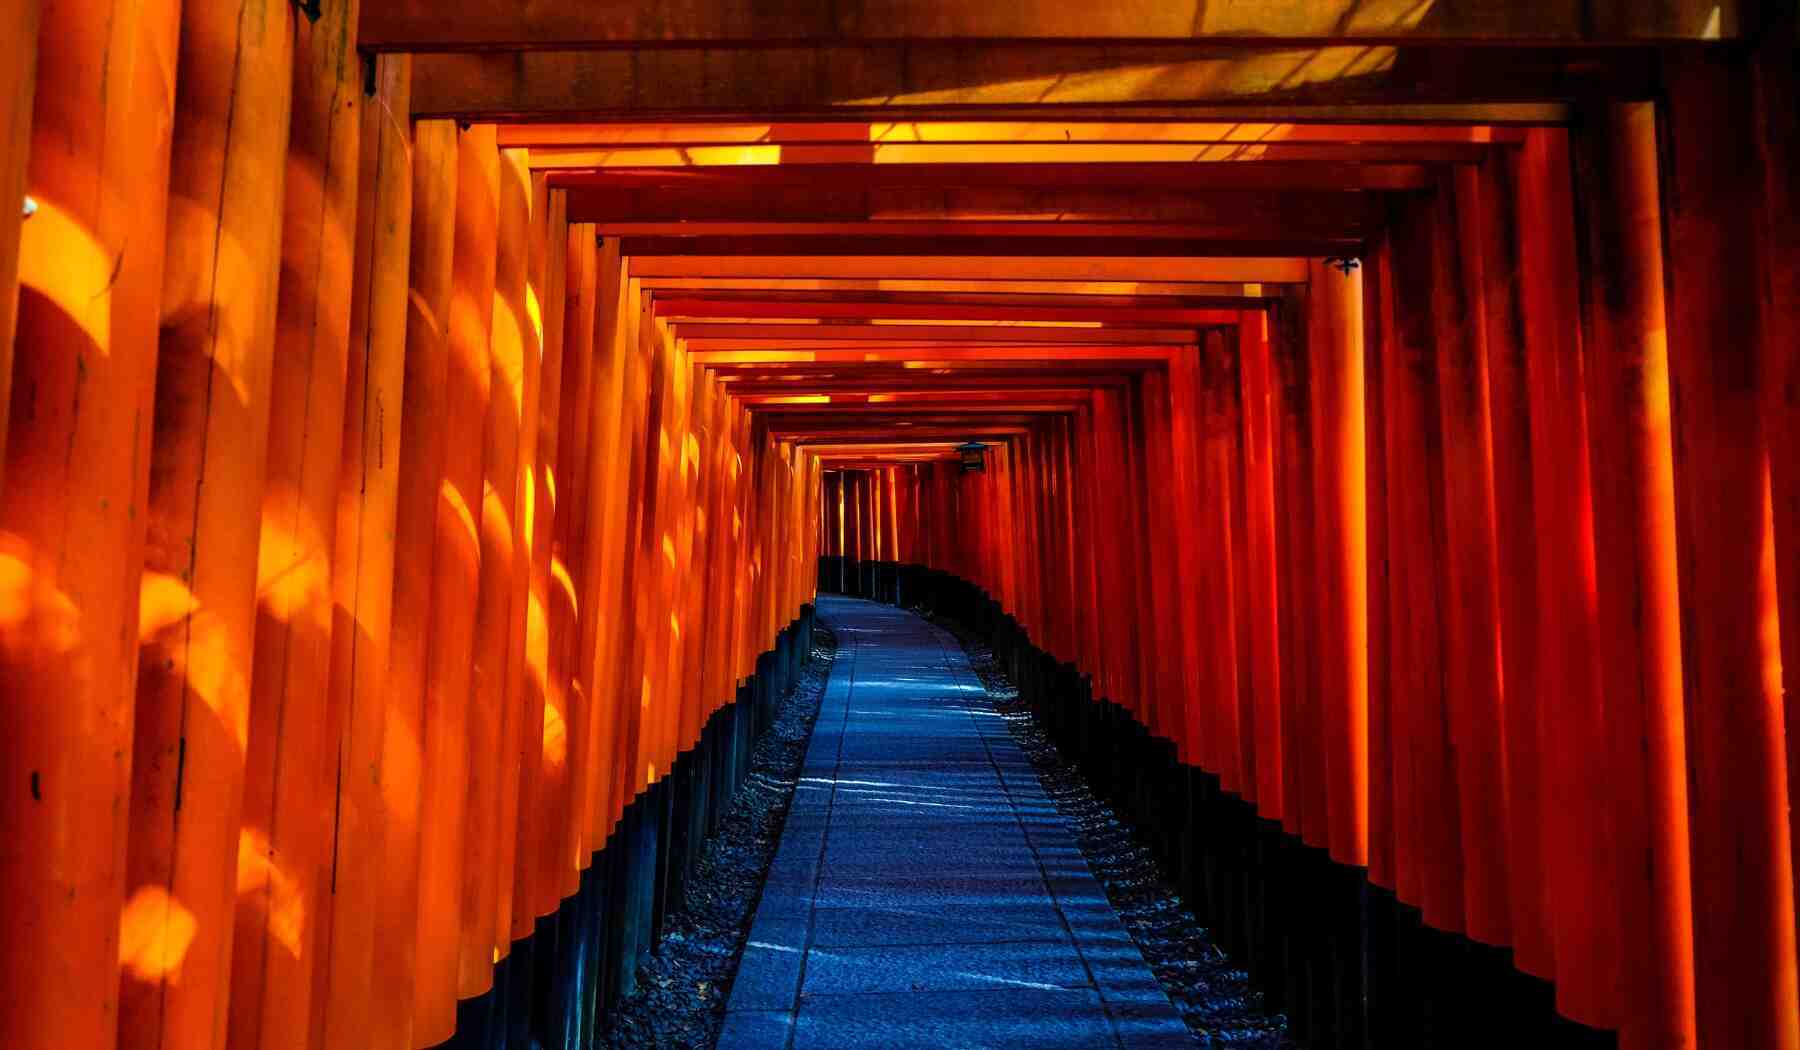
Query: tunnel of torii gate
x=429 y=427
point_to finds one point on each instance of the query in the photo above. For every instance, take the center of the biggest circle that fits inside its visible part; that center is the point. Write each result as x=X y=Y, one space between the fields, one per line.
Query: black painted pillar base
x=556 y=987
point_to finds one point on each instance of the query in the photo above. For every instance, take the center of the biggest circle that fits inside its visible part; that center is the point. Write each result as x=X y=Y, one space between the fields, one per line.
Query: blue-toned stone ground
x=927 y=891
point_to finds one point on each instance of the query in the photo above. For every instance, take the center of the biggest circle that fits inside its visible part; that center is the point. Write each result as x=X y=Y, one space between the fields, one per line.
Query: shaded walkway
x=926 y=892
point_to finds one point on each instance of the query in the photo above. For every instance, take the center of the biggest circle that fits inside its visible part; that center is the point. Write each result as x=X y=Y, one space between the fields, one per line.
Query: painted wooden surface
x=73 y=520
x=290 y=766
x=423 y=424
x=364 y=562
x=208 y=465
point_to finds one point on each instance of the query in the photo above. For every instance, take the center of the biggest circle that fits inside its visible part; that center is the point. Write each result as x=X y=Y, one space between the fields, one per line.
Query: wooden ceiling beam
x=751 y=205
x=890 y=189
x=1006 y=154
x=1261 y=270
x=707 y=336
x=423 y=25
x=536 y=136
x=895 y=80
x=916 y=290
x=688 y=309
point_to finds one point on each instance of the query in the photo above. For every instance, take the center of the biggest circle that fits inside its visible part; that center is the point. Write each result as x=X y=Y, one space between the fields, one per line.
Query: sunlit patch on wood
x=155 y=931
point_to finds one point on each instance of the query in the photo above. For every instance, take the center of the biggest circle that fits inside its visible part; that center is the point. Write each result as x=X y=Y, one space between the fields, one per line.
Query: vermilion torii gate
x=424 y=423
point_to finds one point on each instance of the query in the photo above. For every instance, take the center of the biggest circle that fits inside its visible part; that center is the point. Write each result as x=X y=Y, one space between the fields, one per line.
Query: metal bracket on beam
x=1343 y=263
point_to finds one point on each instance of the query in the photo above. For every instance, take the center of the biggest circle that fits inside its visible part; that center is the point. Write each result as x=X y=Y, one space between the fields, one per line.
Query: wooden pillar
x=608 y=474
x=1615 y=789
x=290 y=788
x=1470 y=590
x=1220 y=491
x=696 y=581
x=521 y=745
x=1378 y=326
x=1136 y=556
x=1167 y=633
x=18 y=83
x=1335 y=359
x=1263 y=602
x=540 y=882
x=678 y=548
x=368 y=490
x=455 y=574
x=492 y=779
x=650 y=615
x=73 y=515
x=1510 y=349
x=568 y=783
x=1743 y=879
x=1428 y=840
x=424 y=424
x=1304 y=810
x=1778 y=127
x=208 y=461
x=637 y=399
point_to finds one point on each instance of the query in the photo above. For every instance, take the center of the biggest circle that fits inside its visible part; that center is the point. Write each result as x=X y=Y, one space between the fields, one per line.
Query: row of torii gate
x=426 y=429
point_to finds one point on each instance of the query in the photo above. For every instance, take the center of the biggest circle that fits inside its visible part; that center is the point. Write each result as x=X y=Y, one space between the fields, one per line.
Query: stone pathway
x=926 y=893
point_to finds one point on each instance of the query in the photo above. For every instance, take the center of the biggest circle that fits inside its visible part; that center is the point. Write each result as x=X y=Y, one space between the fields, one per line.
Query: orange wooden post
x=1777 y=117
x=1516 y=545
x=609 y=475
x=537 y=507
x=1470 y=591
x=1428 y=839
x=648 y=613
x=563 y=808
x=18 y=82
x=1744 y=934
x=1140 y=479
x=209 y=458
x=1198 y=506
x=1633 y=800
x=1167 y=631
x=1112 y=565
x=678 y=539
x=455 y=571
x=540 y=876
x=1403 y=834
x=1335 y=363
x=1213 y=395
x=730 y=529
x=522 y=744
x=659 y=630
x=1304 y=813
x=637 y=399
x=72 y=520
x=832 y=524
x=368 y=488
x=1084 y=494
x=492 y=778
x=1378 y=326
x=285 y=842
x=703 y=592
x=1263 y=602
x=1060 y=525
x=695 y=699
x=424 y=423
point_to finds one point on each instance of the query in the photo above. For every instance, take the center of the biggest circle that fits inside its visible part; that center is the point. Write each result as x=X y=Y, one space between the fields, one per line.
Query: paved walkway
x=926 y=893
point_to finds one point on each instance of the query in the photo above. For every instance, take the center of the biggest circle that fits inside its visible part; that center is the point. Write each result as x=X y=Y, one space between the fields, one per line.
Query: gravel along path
x=683 y=986
x=1212 y=992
